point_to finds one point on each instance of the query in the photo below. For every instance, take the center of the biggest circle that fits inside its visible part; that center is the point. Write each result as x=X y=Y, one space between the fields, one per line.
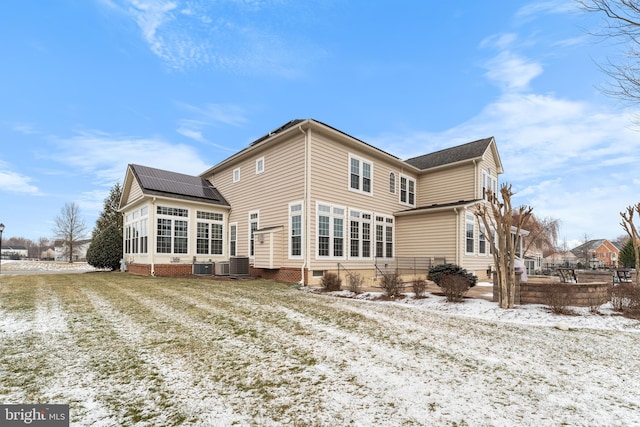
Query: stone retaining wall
x=576 y=294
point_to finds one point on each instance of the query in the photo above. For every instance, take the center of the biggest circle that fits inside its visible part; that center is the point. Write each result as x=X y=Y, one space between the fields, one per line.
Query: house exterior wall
x=607 y=255
x=267 y=193
x=427 y=235
x=307 y=167
x=447 y=184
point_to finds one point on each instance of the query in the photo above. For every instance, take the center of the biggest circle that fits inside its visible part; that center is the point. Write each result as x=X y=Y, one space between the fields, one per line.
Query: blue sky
x=87 y=87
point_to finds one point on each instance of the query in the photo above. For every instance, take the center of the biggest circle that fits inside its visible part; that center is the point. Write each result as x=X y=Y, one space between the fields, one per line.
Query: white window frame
x=233 y=239
x=173 y=214
x=489 y=182
x=361 y=218
x=334 y=213
x=385 y=222
x=259 y=165
x=360 y=174
x=255 y=220
x=296 y=209
x=236 y=175
x=210 y=219
x=482 y=239
x=392 y=183
x=470 y=225
x=406 y=191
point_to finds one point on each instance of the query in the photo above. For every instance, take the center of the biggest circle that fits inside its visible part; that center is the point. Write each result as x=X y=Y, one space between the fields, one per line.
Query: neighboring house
x=560 y=259
x=306 y=199
x=79 y=250
x=14 y=251
x=599 y=253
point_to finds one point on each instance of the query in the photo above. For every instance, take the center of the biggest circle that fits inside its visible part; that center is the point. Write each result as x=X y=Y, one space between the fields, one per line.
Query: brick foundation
x=161 y=270
x=139 y=269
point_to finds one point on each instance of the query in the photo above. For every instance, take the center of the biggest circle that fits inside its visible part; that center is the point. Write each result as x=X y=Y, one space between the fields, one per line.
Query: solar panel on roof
x=175 y=183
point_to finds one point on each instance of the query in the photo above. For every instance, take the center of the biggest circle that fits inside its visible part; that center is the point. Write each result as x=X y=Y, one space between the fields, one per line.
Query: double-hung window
x=359 y=234
x=470 y=234
x=331 y=221
x=295 y=230
x=482 y=241
x=254 y=224
x=233 y=239
x=172 y=230
x=489 y=182
x=209 y=233
x=360 y=175
x=384 y=237
x=407 y=190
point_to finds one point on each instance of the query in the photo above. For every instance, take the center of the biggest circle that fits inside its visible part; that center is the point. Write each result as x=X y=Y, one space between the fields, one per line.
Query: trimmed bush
x=437 y=271
x=419 y=286
x=454 y=280
x=625 y=298
x=331 y=282
x=558 y=298
x=355 y=281
x=391 y=284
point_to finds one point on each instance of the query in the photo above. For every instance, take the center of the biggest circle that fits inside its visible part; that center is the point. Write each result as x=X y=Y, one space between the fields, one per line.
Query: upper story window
x=407 y=190
x=260 y=165
x=392 y=183
x=360 y=175
x=489 y=182
x=236 y=175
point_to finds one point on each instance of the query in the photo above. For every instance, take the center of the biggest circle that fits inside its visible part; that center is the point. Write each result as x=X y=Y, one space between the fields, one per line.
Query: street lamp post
x=1 y=230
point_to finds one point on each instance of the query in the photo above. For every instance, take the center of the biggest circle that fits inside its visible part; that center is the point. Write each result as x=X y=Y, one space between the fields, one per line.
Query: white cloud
x=227 y=35
x=105 y=157
x=14 y=182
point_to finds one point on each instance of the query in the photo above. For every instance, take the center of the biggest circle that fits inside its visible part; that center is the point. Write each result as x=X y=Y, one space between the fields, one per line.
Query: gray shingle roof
x=165 y=183
x=462 y=152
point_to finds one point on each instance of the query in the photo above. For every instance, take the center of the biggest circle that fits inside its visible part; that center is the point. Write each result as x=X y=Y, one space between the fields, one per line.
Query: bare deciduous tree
x=70 y=228
x=499 y=217
x=543 y=234
x=622 y=23
x=632 y=230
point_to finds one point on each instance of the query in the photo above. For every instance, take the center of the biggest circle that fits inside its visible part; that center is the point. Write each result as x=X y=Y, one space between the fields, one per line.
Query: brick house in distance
x=306 y=199
x=598 y=253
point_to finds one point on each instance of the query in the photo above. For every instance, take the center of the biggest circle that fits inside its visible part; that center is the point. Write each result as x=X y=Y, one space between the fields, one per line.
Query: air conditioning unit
x=239 y=266
x=222 y=268
x=203 y=269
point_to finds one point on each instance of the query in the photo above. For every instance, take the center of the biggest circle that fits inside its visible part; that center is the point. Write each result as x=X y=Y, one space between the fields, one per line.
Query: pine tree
x=105 y=250
x=110 y=214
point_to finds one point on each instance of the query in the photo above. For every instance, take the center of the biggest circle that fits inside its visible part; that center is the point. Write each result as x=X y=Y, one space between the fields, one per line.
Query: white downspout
x=457 y=236
x=307 y=202
x=152 y=221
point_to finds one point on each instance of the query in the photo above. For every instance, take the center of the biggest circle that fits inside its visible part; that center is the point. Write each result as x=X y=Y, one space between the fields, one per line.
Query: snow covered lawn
x=127 y=350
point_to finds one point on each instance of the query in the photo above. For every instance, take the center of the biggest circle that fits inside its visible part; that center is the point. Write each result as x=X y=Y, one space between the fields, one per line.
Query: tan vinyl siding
x=427 y=235
x=269 y=192
x=447 y=185
x=330 y=177
x=135 y=192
